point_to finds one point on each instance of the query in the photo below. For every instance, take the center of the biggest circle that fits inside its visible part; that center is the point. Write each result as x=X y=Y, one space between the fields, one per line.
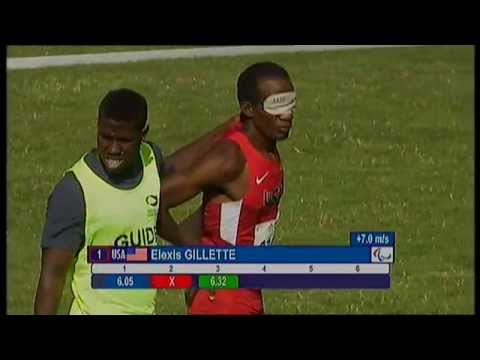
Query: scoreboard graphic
x=365 y=264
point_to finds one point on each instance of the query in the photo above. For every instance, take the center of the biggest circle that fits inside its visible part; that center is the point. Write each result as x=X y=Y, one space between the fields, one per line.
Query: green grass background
x=383 y=140
x=35 y=50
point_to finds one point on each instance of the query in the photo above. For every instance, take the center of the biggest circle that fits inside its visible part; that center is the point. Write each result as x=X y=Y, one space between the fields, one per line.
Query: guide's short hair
x=124 y=105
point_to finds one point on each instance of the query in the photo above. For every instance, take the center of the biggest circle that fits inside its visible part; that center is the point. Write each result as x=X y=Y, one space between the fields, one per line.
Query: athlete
x=241 y=178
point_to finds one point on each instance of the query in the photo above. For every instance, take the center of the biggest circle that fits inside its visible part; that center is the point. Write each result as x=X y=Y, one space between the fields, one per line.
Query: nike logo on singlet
x=260 y=180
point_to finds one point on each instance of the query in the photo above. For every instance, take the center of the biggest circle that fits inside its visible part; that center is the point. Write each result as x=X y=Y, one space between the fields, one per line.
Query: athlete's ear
x=247 y=109
x=145 y=132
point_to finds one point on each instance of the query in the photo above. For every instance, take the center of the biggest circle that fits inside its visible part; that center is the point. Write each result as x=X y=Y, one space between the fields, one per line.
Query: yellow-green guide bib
x=115 y=217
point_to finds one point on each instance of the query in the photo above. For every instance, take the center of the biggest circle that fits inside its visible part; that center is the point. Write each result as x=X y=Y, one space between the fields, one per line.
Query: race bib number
x=265 y=233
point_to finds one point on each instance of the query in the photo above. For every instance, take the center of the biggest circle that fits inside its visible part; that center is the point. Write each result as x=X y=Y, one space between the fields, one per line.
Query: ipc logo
x=382 y=254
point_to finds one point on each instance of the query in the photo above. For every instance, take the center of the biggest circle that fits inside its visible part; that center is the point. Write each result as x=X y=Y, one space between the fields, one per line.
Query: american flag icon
x=137 y=254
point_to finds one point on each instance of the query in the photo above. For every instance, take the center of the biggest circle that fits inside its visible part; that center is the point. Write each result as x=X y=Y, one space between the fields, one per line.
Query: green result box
x=218 y=281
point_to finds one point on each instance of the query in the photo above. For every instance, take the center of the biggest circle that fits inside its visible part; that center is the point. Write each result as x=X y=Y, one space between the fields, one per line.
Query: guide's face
x=118 y=144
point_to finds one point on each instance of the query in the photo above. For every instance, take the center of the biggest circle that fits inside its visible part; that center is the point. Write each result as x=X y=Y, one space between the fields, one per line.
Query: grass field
x=27 y=50
x=383 y=140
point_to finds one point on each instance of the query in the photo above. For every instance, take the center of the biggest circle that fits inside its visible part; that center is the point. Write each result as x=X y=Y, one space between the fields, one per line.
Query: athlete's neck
x=259 y=141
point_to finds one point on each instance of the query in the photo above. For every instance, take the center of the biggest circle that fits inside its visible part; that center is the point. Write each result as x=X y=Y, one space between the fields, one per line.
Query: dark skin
x=55 y=265
x=119 y=142
x=221 y=174
x=118 y=145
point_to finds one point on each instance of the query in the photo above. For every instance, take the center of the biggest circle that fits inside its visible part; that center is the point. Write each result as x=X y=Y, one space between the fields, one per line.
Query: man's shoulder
x=155 y=147
x=229 y=157
x=65 y=216
x=67 y=194
x=228 y=147
x=157 y=151
x=67 y=185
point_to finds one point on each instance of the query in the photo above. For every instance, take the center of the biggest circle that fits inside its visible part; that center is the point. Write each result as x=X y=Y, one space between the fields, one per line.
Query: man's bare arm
x=187 y=155
x=193 y=224
x=221 y=165
x=55 y=265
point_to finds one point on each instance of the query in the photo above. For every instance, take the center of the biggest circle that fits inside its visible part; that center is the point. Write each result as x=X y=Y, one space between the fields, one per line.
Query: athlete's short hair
x=124 y=105
x=247 y=84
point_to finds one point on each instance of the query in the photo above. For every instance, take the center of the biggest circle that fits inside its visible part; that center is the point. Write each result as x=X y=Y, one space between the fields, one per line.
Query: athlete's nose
x=288 y=116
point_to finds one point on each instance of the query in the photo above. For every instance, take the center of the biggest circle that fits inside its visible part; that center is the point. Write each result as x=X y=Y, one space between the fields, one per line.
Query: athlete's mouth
x=113 y=163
